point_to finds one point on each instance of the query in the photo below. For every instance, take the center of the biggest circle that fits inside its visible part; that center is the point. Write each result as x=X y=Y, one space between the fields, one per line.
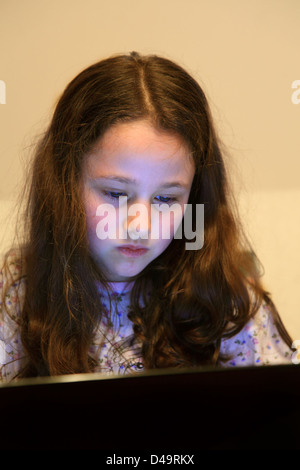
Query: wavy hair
x=197 y=297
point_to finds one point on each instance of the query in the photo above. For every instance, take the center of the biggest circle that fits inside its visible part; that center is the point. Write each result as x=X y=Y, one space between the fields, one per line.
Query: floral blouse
x=114 y=347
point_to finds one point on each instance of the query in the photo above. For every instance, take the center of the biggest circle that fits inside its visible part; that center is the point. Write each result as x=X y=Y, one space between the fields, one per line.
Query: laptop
x=158 y=412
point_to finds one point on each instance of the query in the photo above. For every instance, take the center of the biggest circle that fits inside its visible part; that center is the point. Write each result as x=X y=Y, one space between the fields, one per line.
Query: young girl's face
x=148 y=167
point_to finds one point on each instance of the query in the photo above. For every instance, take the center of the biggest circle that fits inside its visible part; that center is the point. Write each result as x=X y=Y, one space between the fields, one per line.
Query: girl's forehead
x=139 y=144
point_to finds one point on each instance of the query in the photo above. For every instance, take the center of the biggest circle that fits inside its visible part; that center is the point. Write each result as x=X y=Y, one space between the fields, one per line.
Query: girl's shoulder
x=12 y=284
x=258 y=343
x=11 y=263
x=12 y=293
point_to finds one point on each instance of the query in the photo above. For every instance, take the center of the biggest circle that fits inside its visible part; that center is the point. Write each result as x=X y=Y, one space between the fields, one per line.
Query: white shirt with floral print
x=114 y=348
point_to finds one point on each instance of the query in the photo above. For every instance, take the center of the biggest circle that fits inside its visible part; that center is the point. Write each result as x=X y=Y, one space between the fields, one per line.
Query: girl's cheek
x=91 y=203
x=168 y=224
x=91 y=218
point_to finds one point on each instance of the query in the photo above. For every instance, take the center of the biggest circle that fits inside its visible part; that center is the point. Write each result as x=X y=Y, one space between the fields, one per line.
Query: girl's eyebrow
x=126 y=180
x=120 y=179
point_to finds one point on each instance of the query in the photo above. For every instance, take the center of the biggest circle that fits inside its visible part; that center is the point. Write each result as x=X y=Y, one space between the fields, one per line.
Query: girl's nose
x=138 y=223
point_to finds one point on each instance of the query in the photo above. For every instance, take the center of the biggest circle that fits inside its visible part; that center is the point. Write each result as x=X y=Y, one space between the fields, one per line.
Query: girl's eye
x=114 y=194
x=165 y=199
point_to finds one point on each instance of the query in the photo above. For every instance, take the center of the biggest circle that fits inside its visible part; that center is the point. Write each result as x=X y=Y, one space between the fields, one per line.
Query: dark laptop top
x=242 y=408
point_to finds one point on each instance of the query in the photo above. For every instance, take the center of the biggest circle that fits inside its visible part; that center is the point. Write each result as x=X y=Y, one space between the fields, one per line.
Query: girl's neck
x=120 y=287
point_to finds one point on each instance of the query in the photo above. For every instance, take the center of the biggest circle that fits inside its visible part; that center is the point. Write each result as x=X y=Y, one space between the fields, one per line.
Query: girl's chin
x=124 y=275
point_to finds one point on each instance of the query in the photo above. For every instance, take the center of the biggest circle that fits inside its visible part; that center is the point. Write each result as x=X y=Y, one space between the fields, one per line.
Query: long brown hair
x=195 y=295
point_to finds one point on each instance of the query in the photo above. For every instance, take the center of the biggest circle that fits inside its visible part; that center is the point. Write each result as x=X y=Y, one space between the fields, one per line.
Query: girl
x=134 y=127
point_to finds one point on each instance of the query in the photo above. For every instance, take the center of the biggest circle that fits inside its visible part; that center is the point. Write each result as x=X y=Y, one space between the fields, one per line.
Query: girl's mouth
x=132 y=251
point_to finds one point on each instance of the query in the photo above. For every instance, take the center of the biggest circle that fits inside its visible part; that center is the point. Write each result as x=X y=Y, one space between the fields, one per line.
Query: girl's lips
x=132 y=251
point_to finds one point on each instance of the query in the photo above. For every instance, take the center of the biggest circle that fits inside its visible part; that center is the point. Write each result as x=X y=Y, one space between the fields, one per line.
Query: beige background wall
x=245 y=53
